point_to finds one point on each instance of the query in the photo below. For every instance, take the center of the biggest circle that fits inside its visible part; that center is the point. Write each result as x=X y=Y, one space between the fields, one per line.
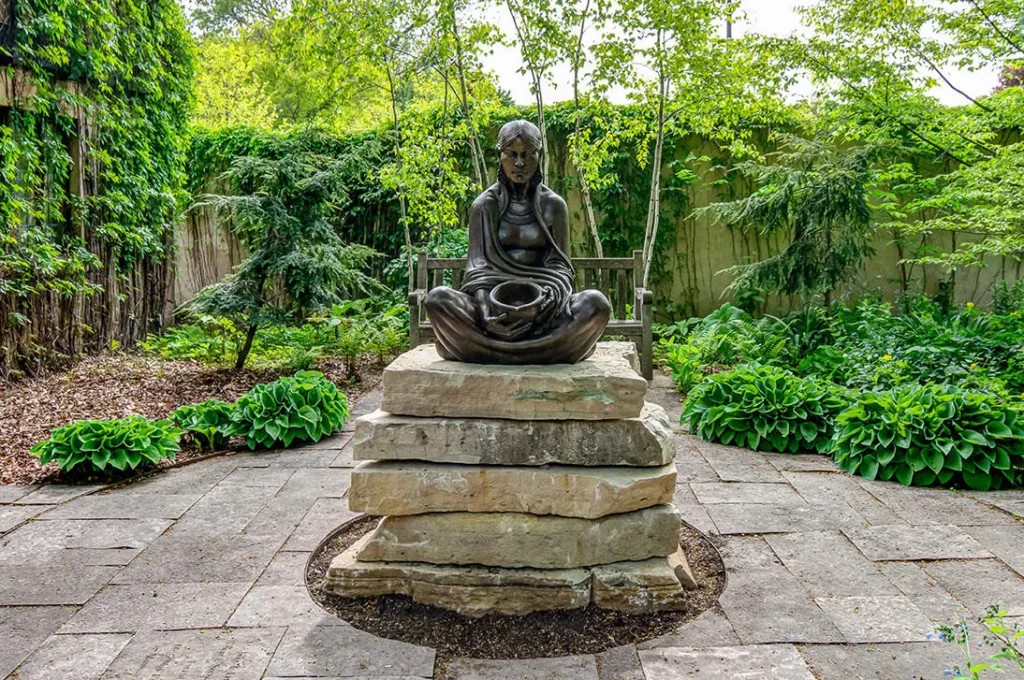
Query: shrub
x=124 y=443
x=205 y=423
x=764 y=407
x=305 y=407
x=936 y=433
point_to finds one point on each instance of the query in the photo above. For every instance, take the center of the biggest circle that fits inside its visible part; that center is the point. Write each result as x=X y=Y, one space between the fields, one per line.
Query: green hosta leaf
x=975 y=438
x=933 y=458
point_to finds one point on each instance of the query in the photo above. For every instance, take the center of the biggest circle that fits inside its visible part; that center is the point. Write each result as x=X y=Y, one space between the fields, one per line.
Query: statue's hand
x=506 y=328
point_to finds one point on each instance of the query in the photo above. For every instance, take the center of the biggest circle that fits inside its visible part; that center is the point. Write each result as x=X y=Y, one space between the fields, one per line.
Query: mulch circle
x=542 y=634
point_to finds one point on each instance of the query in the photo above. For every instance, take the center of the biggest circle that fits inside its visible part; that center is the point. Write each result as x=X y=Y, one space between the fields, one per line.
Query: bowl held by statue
x=517 y=299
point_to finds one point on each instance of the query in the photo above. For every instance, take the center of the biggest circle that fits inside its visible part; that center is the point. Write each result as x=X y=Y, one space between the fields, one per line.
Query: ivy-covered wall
x=94 y=100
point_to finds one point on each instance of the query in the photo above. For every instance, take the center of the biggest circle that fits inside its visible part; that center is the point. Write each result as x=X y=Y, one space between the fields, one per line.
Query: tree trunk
x=243 y=353
x=588 y=205
x=475 y=151
x=398 y=160
x=654 y=206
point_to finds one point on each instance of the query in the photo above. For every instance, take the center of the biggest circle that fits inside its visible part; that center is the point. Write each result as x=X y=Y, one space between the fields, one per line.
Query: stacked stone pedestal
x=514 y=489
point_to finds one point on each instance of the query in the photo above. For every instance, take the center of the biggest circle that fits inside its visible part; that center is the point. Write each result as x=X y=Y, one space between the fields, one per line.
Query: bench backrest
x=616 y=277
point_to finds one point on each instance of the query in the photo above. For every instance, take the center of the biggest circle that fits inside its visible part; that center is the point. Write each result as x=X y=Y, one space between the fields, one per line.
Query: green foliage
x=1000 y=636
x=934 y=434
x=204 y=423
x=765 y=408
x=103 y=445
x=306 y=407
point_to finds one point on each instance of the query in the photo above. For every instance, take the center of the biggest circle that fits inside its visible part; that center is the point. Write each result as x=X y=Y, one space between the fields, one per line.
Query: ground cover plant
x=205 y=424
x=121 y=444
x=306 y=407
x=920 y=392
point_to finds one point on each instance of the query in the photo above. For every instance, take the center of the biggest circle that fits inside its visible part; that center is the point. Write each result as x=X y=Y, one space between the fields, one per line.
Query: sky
x=771 y=17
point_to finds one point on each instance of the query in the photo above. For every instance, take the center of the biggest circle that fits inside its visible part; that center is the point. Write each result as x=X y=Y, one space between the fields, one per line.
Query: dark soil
x=541 y=634
x=121 y=385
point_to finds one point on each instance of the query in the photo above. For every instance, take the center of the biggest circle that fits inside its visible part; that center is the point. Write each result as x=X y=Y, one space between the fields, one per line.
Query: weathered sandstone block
x=635 y=587
x=472 y=591
x=642 y=441
x=520 y=540
x=605 y=386
x=412 y=488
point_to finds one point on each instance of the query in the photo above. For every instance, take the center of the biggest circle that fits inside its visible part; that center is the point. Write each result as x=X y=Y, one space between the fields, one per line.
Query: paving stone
x=925 y=592
x=619 y=663
x=907 y=543
x=824 y=489
x=683 y=495
x=197 y=478
x=130 y=608
x=765 y=603
x=1005 y=542
x=273 y=478
x=710 y=629
x=51 y=494
x=924 y=506
x=23 y=629
x=116 y=505
x=603 y=387
x=981 y=583
x=885 y=618
x=54 y=584
x=209 y=654
x=505 y=539
x=414 y=487
x=340 y=650
x=82 y=657
x=561 y=668
x=774 y=494
x=828 y=564
x=808 y=462
x=13 y=515
x=872 y=662
x=206 y=559
x=286 y=569
x=12 y=492
x=281 y=516
x=326 y=515
x=224 y=511
x=345 y=457
x=320 y=483
x=42 y=539
x=761 y=662
x=368 y=403
x=762 y=518
x=642 y=441
x=95 y=557
x=698 y=518
x=763 y=473
x=266 y=606
x=306 y=457
x=690 y=465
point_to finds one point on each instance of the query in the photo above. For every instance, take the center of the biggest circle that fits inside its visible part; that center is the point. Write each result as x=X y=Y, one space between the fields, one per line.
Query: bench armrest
x=416 y=298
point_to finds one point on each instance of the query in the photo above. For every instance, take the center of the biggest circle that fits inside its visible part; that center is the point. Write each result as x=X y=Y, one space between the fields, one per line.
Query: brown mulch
x=542 y=634
x=119 y=385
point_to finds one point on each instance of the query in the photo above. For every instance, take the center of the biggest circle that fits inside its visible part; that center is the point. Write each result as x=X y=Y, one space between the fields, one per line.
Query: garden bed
x=120 y=385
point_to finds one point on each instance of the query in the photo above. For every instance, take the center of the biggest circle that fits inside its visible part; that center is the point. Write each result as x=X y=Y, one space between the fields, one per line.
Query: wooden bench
x=617 y=277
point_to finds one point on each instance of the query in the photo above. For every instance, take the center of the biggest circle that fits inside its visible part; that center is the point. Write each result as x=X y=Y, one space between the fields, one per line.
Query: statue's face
x=519 y=160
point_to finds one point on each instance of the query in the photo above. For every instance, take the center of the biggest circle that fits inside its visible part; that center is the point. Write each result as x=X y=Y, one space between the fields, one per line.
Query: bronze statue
x=517 y=303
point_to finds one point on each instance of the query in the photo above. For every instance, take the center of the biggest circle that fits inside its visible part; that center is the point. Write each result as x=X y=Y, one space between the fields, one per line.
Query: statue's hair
x=520 y=129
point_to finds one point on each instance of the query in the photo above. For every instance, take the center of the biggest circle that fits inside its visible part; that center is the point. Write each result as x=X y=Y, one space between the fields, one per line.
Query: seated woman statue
x=517 y=304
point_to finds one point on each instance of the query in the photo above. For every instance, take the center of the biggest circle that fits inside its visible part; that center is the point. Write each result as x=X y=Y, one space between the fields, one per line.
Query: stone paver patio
x=198 y=573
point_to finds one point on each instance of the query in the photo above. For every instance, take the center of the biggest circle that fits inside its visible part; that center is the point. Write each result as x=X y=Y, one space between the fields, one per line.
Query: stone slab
x=642 y=441
x=764 y=518
x=638 y=587
x=178 y=558
x=268 y=606
x=412 y=488
x=131 y=608
x=471 y=591
x=711 y=493
x=863 y=619
x=906 y=543
x=521 y=540
x=710 y=629
x=619 y=663
x=51 y=584
x=871 y=662
x=13 y=515
x=82 y=657
x=561 y=668
x=605 y=386
x=342 y=651
x=207 y=654
x=23 y=629
x=763 y=662
x=1005 y=542
x=827 y=564
x=125 y=506
x=52 y=494
x=326 y=515
x=42 y=539
x=979 y=584
x=286 y=569
x=12 y=492
x=925 y=592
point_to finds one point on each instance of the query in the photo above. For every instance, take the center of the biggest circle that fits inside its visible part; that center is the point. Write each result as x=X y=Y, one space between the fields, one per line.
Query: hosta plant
x=303 y=408
x=765 y=408
x=206 y=423
x=102 y=445
x=933 y=434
